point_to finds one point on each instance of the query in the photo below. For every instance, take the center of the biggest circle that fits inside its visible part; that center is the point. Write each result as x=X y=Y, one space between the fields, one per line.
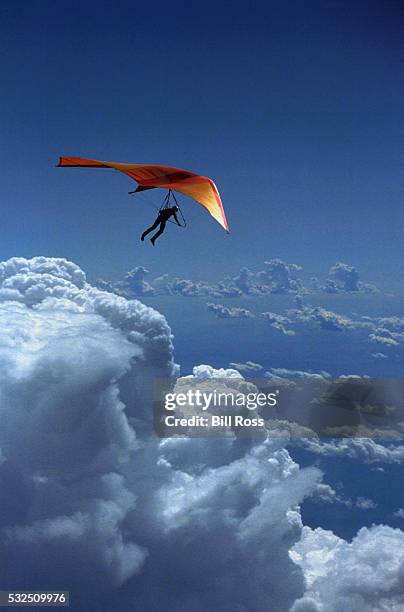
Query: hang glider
x=200 y=188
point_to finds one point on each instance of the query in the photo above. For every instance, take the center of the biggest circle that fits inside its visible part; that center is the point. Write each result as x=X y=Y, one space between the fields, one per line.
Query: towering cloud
x=343 y=278
x=75 y=366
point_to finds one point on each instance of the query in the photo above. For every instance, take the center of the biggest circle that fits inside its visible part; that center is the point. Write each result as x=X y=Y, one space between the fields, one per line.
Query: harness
x=167 y=204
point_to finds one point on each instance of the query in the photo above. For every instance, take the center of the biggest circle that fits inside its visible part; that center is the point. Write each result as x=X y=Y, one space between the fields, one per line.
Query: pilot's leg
x=157 y=234
x=149 y=229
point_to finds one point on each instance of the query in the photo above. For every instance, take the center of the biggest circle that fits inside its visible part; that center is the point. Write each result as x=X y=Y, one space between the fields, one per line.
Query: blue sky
x=296 y=112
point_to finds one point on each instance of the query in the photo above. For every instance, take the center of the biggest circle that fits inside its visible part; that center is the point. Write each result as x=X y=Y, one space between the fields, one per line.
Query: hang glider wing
x=200 y=188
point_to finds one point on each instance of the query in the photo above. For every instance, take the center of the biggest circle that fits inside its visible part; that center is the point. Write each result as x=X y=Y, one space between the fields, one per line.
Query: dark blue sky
x=294 y=109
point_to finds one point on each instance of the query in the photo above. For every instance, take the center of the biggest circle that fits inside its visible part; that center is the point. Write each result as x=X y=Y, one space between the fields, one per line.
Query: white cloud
x=285 y=373
x=277 y=277
x=100 y=499
x=327 y=494
x=362 y=449
x=75 y=364
x=343 y=278
x=280 y=277
x=386 y=340
x=224 y=312
x=247 y=367
x=204 y=371
x=132 y=285
x=278 y=322
x=365 y=504
x=326 y=319
x=365 y=574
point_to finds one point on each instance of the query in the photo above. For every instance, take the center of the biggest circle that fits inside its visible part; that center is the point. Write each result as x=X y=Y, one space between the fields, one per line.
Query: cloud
x=91 y=499
x=169 y=285
x=365 y=574
x=326 y=319
x=278 y=322
x=387 y=331
x=361 y=449
x=100 y=501
x=204 y=371
x=134 y=282
x=72 y=358
x=276 y=277
x=224 y=312
x=248 y=367
x=343 y=278
x=327 y=494
x=365 y=504
x=188 y=288
x=399 y=513
x=386 y=340
x=245 y=282
x=280 y=276
x=132 y=285
x=285 y=374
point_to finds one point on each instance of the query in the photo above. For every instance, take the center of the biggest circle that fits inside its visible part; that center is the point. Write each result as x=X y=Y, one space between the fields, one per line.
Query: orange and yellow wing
x=200 y=188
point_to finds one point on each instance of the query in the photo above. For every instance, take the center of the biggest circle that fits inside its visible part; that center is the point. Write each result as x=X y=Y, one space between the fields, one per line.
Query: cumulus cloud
x=205 y=371
x=245 y=282
x=386 y=331
x=224 y=312
x=361 y=449
x=326 y=319
x=285 y=374
x=385 y=339
x=280 y=276
x=278 y=322
x=238 y=500
x=102 y=499
x=346 y=277
x=134 y=282
x=72 y=359
x=248 y=367
x=188 y=288
x=277 y=276
x=365 y=504
x=365 y=574
x=343 y=278
x=132 y=285
x=327 y=494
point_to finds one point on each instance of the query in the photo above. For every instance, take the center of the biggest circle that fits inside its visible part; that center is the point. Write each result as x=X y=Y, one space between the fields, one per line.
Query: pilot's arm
x=176 y=219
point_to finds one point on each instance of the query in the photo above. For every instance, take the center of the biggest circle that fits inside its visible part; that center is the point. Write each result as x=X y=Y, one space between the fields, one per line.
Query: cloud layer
x=276 y=277
x=91 y=499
